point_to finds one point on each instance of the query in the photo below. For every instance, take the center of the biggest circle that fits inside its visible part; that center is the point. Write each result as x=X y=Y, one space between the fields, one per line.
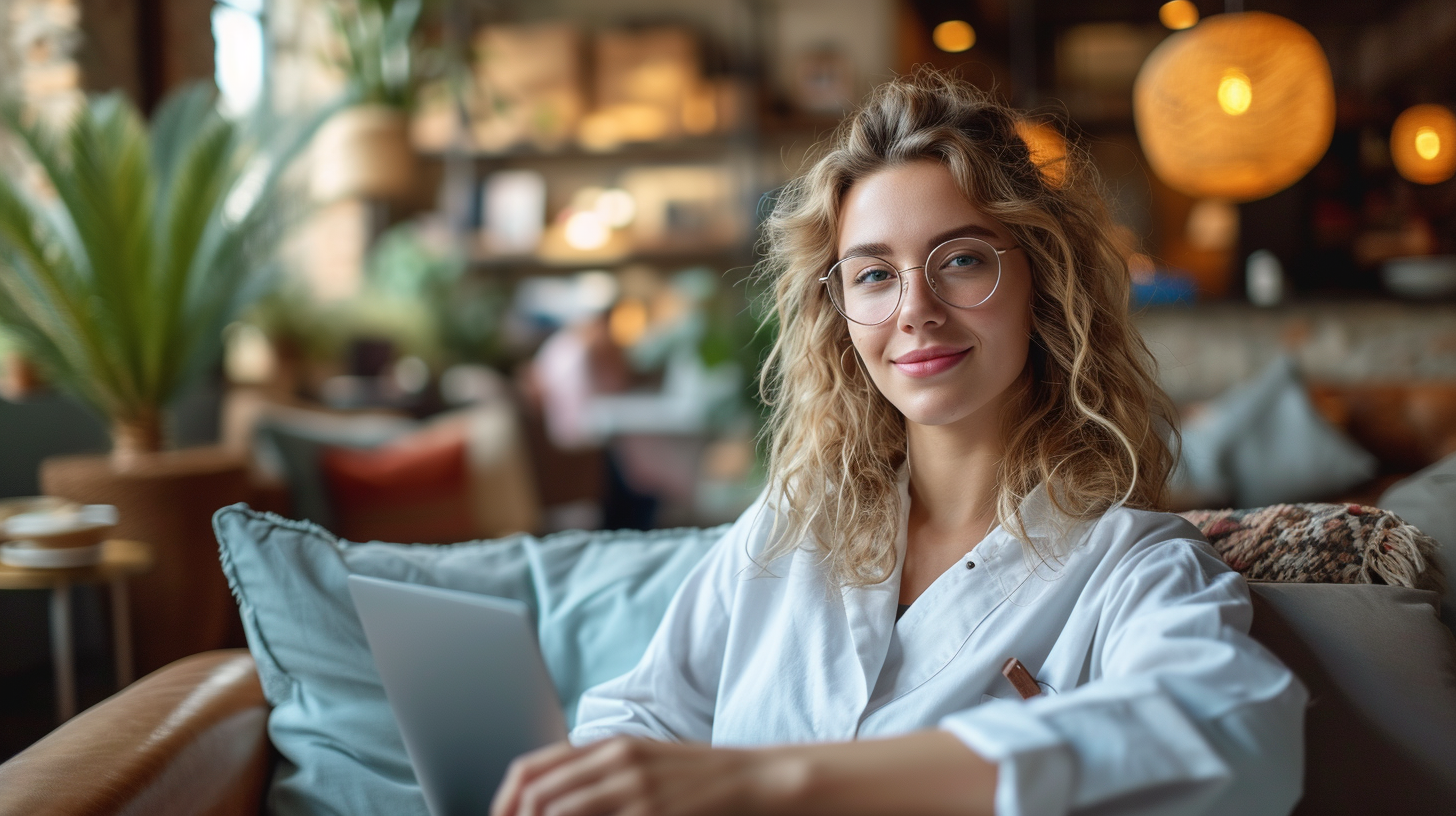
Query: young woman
x=968 y=452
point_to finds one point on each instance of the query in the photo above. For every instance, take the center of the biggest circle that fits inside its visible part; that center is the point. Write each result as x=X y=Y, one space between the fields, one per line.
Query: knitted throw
x=1322 y=544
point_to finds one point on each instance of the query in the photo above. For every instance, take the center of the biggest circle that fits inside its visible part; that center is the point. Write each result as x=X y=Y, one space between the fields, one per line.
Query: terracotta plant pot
x=19 y=378
x=363 y=151
x=183 y=606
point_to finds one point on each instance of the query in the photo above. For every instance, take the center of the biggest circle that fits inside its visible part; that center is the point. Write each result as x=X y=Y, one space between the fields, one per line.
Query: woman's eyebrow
x=879 y=248
x=876 y=248
x=967 y=231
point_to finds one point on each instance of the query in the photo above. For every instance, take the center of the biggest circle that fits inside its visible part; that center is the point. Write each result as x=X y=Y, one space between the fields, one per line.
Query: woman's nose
x=919 y=305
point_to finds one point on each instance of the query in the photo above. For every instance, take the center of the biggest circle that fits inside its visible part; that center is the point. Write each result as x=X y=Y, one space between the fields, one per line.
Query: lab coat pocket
x=1045 y=689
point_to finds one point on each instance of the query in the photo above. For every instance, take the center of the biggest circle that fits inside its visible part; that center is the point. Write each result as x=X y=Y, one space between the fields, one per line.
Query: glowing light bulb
x=1235 y=94
x=616 y=206
x=1420 y=144
x=954 y=36
x=1428 y=143
x=1178 y=14
x=586 y=230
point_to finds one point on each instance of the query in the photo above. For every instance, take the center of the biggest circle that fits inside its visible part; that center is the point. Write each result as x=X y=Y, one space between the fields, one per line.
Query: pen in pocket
x=1020 y=678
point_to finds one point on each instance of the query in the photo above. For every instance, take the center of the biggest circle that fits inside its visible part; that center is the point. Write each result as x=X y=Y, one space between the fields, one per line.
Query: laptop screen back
x=465 y=679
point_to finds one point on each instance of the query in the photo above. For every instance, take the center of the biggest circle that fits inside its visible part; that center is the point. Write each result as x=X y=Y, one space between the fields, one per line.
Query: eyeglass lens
x=962 y=272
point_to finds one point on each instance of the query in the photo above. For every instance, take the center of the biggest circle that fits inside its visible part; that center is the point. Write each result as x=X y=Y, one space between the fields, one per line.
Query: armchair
x=190 y=738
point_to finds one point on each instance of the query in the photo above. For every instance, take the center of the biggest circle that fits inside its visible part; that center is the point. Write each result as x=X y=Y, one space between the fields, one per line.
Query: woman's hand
x=928 y=772
x=624 y=775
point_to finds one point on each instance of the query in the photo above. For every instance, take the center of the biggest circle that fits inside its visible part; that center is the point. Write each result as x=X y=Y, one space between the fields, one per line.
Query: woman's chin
x=935 y=415
x=946 y=409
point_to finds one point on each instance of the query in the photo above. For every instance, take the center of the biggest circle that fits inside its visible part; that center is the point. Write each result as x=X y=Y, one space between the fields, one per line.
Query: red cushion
x=414 y=489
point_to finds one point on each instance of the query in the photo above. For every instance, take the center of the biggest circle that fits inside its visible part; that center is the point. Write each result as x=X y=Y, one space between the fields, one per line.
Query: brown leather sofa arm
x=189 y=738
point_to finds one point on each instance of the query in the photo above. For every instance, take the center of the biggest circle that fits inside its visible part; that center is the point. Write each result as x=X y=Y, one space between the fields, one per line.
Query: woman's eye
x=874 y=275
x=963 y=262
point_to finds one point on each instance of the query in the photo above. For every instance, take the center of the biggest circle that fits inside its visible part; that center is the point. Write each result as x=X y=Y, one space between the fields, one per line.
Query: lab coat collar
x=870 y=610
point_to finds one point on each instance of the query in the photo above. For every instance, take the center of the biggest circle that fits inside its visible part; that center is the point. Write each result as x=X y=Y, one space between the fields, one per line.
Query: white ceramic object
x=32 y=556
x=1428 y=277
x=1264 y=278
x=514 y=206
x=9 y=508
x=68 y=535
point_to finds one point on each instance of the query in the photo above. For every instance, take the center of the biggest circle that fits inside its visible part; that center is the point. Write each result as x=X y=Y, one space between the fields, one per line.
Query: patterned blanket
x=1322 y=544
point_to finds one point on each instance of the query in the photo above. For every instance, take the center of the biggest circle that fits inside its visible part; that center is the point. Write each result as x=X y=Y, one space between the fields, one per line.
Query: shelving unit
x=754 y=155
x=571 y=169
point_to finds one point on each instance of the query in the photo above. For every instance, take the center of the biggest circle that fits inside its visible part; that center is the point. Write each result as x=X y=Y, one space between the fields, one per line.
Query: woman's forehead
x=909 y=207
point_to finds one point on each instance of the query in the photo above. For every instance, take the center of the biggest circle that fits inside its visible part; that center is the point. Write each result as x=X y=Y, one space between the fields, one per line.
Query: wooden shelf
x=770 y=128
x=725 y=257
x=714 y=145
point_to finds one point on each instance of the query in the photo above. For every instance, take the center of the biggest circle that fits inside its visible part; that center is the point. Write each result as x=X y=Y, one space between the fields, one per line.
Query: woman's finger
x=591 y=764
x=525 y=768
x=611 y=793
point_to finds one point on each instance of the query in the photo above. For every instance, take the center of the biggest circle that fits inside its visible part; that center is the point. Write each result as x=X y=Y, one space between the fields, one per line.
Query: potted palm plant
x=117 y=276
x=364 y=150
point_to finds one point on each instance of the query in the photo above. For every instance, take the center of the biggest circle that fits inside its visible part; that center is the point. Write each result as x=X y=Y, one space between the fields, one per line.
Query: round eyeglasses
x=962 y=272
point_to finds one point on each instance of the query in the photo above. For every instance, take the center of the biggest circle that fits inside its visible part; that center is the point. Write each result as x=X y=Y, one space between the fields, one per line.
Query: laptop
x=467 y=684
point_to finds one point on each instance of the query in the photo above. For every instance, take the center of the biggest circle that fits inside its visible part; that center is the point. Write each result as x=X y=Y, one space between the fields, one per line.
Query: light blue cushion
x=597 y=598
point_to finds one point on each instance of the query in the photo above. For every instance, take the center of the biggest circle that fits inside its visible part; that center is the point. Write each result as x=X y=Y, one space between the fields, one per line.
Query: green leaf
x=176 y=120
x=377 y=39
x=44 y=298
x=236 y=248
x=187 y=207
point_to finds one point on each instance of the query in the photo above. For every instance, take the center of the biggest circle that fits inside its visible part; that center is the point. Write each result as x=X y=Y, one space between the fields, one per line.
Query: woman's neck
x=952 y=501
x=953 y=475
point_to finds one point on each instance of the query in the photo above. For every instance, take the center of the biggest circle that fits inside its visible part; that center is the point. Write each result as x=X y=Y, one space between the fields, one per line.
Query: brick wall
x=53 y=50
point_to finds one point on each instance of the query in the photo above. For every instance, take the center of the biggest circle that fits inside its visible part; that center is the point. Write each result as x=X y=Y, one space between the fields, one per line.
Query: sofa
x=299 y=724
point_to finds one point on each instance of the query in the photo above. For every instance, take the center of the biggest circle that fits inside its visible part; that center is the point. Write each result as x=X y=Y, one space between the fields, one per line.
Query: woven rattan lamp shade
x=1423 y=144
x=1238 y=107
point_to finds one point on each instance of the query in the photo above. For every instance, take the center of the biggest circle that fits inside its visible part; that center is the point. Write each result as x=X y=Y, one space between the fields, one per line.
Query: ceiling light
x=954 y=36
x=1178 y=14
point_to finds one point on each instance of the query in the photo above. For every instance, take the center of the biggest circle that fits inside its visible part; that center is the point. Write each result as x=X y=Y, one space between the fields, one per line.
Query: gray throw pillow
x=1428 y=500
x=1380 y=732
x=1263 y=442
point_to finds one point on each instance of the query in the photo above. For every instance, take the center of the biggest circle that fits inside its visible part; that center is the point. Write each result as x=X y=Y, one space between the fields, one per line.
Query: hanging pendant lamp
x=1423 y=144
x=1238 y=107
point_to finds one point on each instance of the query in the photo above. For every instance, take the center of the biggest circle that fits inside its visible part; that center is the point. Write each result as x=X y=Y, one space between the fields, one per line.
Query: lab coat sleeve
x=1185 y=712
x=672 y=692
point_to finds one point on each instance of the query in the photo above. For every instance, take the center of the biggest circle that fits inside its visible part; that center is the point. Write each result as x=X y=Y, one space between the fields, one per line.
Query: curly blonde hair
x=1090 y=421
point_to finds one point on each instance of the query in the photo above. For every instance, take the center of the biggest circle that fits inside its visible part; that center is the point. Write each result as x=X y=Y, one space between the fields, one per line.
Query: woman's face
x=937 y=363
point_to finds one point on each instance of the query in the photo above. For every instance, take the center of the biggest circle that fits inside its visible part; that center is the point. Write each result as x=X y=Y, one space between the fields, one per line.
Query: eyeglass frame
x=899 y=275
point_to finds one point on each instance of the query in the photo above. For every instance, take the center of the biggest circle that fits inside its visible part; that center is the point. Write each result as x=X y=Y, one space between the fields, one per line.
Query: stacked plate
x=1421 y=278
x=49 y=533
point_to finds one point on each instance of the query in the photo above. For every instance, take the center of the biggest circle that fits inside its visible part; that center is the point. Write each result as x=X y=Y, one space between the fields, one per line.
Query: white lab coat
x=1156 y=700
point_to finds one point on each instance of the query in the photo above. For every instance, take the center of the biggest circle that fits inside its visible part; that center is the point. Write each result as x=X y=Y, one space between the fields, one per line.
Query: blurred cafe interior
x=442 y=270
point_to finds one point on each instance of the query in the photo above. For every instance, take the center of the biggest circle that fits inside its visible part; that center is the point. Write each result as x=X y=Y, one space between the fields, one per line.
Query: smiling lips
x=928 y=362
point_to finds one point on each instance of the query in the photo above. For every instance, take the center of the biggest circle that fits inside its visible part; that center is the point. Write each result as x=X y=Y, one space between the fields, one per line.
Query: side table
x=120 y=559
